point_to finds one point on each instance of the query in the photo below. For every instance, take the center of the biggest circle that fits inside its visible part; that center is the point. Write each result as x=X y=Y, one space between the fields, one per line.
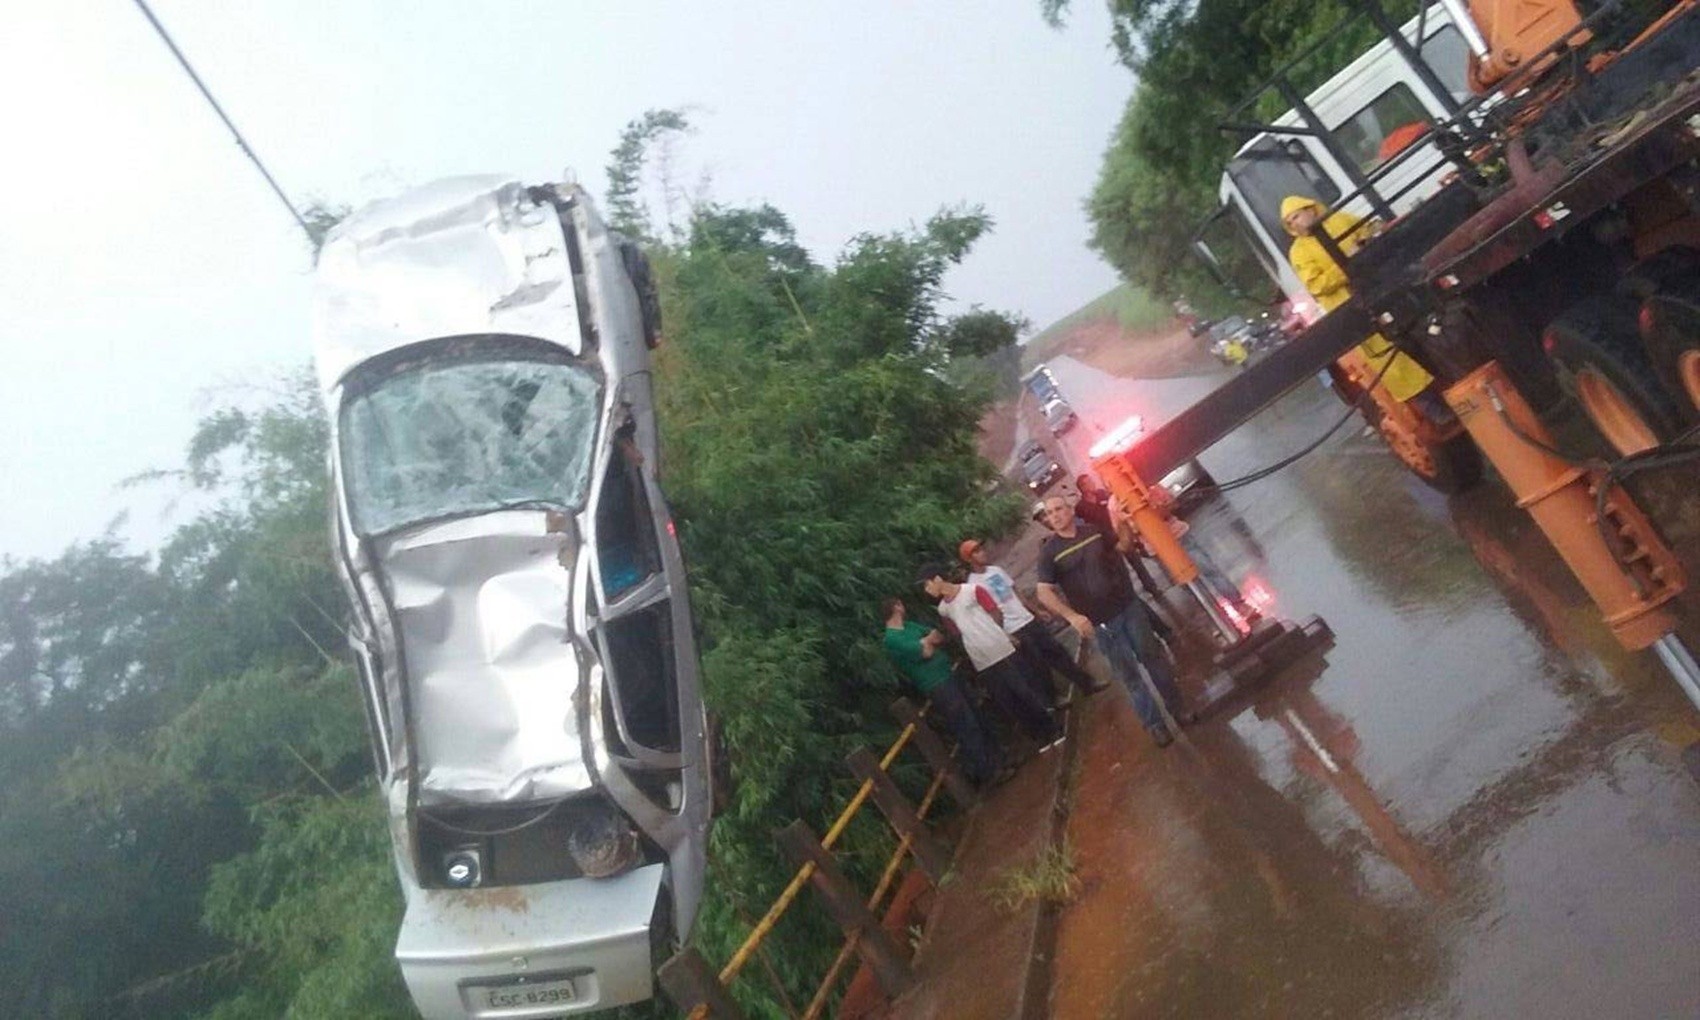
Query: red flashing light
x=1257 y=595
x=1234 y=615
x=1120 y=438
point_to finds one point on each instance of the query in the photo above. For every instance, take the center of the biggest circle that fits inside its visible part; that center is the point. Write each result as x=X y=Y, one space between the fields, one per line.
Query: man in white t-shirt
x=1033 y=641
x=970 y=612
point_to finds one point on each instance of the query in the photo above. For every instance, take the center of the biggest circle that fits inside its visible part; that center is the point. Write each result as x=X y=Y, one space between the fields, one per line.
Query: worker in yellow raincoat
x=1326 y=281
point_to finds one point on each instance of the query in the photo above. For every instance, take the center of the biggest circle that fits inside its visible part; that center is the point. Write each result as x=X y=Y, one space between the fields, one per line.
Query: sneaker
x=1162 y=736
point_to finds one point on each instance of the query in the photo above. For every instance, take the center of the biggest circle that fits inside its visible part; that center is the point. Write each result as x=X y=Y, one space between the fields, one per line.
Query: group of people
x=1084 y=579
x=1086 y=571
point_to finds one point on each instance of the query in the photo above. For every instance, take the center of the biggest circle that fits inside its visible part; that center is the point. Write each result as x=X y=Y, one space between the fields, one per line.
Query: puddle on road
x=1475 y=806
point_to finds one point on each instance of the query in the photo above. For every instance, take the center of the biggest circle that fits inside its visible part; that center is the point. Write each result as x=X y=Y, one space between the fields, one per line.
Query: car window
x=443 y=439
x=626 y=540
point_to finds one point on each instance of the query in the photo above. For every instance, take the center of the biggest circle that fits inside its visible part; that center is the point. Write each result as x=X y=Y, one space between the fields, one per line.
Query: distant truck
x=521 y=622
x=1042 y=384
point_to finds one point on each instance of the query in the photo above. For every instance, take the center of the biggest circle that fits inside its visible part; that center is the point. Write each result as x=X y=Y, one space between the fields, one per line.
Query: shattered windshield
x=444 y=439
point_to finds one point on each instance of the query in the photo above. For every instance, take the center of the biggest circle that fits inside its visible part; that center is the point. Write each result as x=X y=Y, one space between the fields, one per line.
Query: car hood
x=483 y=608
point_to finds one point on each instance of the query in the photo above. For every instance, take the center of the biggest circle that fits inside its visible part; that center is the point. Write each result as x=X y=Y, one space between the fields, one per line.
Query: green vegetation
x=1048 y=878
x=188 y=826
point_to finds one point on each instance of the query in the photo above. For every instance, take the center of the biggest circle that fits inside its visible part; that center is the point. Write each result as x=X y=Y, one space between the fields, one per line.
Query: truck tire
x=1596 y=350
x=1670 y=328
x=1449 y=467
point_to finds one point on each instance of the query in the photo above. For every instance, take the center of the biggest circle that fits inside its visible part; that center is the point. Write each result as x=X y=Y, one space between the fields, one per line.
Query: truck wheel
x=1596 y=351
x=1449 y=466
x=1670 y=327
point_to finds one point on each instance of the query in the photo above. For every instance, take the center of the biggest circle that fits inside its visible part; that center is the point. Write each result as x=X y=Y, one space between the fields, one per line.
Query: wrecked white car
x=520 y=615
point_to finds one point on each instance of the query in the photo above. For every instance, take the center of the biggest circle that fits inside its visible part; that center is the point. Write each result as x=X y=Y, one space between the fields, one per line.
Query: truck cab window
x=1386 y=125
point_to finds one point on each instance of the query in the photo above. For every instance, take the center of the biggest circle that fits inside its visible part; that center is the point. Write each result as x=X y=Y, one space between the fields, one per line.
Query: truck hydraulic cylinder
x=1618 y=556
x=1126 y=485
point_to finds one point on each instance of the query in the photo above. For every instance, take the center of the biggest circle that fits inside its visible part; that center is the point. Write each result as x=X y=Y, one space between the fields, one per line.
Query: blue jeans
x=951 y=707
x=1127 y=641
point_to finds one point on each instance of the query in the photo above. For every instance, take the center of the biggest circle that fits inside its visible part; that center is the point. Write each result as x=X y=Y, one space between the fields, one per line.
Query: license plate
x=542 y=993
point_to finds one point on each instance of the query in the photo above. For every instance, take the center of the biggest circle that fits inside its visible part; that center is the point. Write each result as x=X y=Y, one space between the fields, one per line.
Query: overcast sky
x=146 y=272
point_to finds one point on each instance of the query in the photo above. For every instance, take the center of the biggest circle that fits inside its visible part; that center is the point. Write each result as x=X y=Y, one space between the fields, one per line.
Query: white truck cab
x=1369 y=107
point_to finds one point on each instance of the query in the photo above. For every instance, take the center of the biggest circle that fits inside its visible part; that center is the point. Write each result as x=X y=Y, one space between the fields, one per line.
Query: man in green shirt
x=918 y=651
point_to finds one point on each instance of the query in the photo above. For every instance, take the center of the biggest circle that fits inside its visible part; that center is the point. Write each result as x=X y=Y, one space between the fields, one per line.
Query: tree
x=815 y=452
x=626 y=210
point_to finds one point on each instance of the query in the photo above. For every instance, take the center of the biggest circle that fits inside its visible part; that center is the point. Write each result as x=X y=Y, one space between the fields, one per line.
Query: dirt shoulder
x=1140 y=354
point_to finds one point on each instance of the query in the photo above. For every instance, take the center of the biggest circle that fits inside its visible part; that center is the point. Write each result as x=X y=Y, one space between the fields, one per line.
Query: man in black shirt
x=1094 y=508
x=1082 y=578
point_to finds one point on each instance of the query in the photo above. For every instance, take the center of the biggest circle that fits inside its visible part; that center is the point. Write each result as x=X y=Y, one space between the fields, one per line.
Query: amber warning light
x=1119 y=438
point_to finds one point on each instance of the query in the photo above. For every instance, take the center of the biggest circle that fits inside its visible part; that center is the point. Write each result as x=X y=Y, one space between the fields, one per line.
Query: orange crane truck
x=1530 y=227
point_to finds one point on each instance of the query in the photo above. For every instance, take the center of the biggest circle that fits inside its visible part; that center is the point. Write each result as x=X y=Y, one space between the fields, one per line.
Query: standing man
x=1033 y=640
x=918 y=652
x=975 y=615
x=1094 y=508
x=1082 y=579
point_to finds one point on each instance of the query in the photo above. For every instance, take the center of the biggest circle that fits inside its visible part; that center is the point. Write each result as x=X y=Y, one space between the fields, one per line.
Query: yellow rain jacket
x=1326 y=281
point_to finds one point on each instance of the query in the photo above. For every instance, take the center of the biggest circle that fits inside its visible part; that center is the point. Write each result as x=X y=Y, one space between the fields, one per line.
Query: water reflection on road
x=1474 y=804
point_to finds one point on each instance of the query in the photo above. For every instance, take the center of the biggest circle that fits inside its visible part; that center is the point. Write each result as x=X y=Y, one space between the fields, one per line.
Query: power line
x=240 y=141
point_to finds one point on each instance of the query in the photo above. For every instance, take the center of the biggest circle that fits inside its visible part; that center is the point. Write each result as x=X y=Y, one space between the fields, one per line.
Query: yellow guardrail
x=764 y=927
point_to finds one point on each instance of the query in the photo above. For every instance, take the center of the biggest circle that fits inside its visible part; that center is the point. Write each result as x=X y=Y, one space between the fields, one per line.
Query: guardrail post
x=691 y=983
x=876 y=948
x=932 y=856
x=933 y=749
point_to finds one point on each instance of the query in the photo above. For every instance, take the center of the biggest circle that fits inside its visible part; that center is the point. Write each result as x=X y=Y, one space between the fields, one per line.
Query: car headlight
x=602 y=842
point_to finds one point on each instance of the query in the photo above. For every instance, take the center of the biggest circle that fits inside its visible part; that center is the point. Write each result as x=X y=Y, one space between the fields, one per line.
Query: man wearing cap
x=918 y=651
x=972 y=612
x=1033 y=640
x=1082 y=579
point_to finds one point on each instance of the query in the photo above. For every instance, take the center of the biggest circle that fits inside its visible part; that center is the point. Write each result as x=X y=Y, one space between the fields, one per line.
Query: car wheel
x=1596 y=351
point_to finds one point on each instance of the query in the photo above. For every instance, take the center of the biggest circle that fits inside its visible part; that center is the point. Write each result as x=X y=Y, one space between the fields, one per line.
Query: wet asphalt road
x=1476 y=806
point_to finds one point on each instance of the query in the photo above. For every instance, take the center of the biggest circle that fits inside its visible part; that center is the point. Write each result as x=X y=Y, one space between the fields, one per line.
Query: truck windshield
x=1239 y=253
x=449 y=439
x=1444 y=51
x=1270 y=170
